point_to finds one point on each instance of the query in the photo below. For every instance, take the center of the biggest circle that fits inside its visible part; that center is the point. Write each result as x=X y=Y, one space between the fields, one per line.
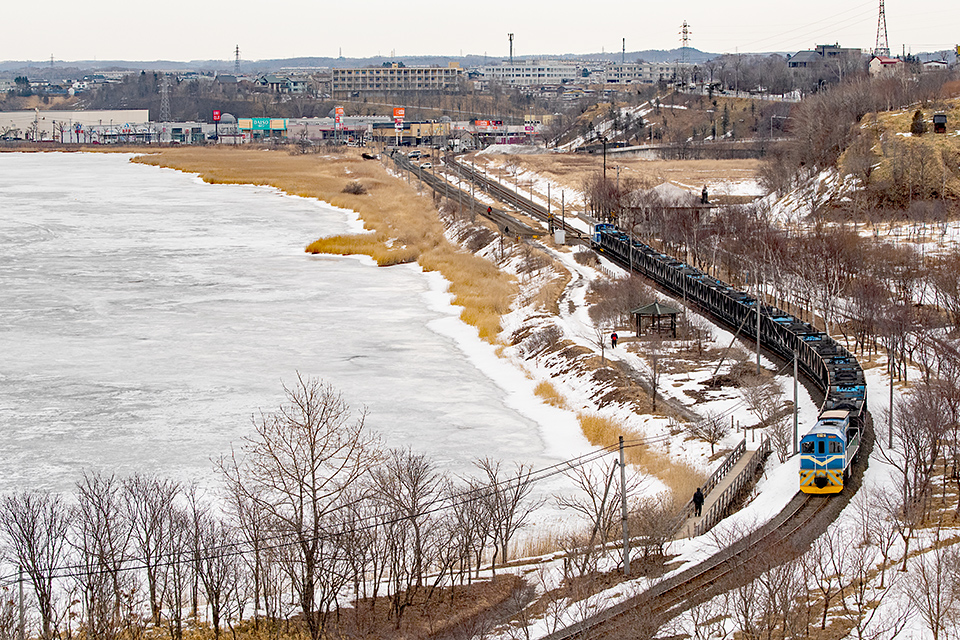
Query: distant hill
x=43 y=69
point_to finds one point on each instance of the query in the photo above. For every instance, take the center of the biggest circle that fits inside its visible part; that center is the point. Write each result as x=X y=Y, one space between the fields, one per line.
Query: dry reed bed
x=680 y=478
x=405 y=227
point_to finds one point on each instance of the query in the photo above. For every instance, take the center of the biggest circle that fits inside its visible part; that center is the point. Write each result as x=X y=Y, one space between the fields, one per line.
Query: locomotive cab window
x=806 y=447
x=820 y=446
x=836 y=447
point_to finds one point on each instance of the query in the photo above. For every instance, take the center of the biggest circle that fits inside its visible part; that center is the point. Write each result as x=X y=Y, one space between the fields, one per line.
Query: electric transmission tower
x=165 y=99
x=236 y=62
x=883 y=47
x=685 y=39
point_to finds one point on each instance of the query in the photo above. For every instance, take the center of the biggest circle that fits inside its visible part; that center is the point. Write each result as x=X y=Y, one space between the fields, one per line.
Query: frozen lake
x=145 y=316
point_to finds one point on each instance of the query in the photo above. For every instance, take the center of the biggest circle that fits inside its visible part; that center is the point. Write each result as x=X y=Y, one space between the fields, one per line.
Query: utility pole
x=890 y=412
x=23 y=615
x=796 y=406
x=758 y=326
x=623 y=504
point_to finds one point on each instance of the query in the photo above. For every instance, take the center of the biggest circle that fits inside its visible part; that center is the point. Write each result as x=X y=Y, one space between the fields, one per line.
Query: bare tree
x=598 y=499
x=102 y=532
x=407 y=485
x=34 y=526
x=148 y=503
x=508 y=502
x=935 y=592
x=175 y=577
x=763 y=397
x=9 y=623
x=296 y=469
x=653 y=349
x=217 y=566
x=712 y=429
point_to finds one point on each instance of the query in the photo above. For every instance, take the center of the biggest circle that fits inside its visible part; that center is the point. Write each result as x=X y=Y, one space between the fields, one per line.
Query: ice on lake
x=146 y=316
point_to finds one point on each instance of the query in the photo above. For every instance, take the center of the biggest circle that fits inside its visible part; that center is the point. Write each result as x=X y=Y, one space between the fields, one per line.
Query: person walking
x=613 y=340
x=697 y=502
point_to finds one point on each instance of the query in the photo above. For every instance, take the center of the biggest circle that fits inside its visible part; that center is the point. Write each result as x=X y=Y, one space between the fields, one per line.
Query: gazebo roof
x=655 y=309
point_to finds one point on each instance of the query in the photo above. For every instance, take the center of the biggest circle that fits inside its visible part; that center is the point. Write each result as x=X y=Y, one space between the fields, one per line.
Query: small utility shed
x=940 y=123
x=656 y=311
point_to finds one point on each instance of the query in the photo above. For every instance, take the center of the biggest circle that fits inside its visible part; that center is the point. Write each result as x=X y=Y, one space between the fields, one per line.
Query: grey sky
x=186 y=30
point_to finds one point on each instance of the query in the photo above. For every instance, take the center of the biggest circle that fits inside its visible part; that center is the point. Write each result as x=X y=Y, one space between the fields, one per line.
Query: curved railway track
x=643 y=615
x=783 y=538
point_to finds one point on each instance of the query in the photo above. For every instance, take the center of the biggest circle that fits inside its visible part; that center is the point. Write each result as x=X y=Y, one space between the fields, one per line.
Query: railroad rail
x=512 y=198
x=499 y=217
x=641 y=616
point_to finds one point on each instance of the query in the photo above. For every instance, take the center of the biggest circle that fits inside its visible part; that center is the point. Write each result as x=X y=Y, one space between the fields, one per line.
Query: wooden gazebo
x=656 y=311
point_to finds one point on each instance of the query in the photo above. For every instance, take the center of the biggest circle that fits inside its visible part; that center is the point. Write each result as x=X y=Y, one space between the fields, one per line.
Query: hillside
x=895 y=163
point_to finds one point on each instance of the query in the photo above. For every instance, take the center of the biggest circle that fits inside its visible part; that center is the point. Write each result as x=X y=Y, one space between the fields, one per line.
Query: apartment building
x=394 y=78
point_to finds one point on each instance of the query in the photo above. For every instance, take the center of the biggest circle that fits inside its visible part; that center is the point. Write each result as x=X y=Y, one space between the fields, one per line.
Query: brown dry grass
x=405 y=227
x=681 y=478
x=572 y=170
x=549 y=394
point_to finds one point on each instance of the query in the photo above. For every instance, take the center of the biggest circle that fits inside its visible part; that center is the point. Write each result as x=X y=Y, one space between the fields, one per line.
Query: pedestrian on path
x=613 y=340
x=697 y=502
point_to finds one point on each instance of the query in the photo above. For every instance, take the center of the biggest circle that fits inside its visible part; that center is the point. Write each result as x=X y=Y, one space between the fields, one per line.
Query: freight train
x=829 y=447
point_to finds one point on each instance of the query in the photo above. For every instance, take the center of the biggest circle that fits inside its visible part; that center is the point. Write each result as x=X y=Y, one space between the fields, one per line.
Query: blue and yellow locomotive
x=826 y=452
x=827 y=449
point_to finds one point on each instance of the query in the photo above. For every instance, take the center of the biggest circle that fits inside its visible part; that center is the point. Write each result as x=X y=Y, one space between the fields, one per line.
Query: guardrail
x=745 y=477
x=728 y=463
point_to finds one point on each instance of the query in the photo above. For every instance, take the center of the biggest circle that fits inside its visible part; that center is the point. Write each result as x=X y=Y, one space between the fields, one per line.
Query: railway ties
x=505 y=222
x=641 y=617
x=513 y=198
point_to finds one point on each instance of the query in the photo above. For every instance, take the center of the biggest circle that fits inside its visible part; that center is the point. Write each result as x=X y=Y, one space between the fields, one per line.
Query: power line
x=281 y=539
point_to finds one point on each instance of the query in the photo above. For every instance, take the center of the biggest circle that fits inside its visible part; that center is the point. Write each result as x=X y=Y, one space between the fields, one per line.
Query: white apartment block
x=527 y=73
x=394 y=78
x=644 y=72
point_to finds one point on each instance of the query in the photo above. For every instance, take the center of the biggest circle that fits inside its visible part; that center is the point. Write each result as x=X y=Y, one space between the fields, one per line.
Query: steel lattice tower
x=882 y=48
x=236 y=62
x=685 y=39
x=165 y=100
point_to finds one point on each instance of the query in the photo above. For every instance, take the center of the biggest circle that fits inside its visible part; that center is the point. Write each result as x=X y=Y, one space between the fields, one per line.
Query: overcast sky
x=188 y=30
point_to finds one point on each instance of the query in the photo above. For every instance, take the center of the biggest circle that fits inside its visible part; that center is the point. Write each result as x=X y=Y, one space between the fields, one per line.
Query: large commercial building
x=530 y=73
x=394 y=78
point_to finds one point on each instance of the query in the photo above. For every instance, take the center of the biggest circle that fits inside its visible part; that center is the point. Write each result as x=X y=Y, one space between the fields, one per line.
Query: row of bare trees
x=312 y=509
x=855 y=575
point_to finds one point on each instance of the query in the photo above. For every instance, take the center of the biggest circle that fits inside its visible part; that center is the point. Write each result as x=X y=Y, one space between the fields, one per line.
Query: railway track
x=504 y=221
x=642 y=616
x=785 y=537
x=514 y=199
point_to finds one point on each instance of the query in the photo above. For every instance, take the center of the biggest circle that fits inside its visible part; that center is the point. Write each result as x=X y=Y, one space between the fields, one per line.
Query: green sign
x=261 y=124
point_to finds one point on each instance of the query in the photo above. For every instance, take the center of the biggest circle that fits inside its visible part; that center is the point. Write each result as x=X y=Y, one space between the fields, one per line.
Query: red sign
x=216 y=115
x=338 y=111
x=398 y=113
x=483 y=123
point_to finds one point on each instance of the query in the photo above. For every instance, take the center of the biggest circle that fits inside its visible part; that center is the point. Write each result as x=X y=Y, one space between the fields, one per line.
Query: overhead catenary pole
x=623 y=504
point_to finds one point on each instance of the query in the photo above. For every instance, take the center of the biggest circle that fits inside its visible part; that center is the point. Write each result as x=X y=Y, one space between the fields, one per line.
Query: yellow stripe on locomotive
x=823 y=460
